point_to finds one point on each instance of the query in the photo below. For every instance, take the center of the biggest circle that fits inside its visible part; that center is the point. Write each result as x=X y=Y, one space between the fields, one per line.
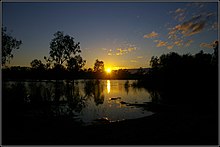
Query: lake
x=87 y=101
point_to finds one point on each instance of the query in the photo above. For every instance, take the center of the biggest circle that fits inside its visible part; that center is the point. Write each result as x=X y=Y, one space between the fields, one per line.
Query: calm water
x=89 y=101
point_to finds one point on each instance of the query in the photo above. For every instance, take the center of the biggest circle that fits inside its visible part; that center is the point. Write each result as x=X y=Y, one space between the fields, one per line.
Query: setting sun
x=108 y=70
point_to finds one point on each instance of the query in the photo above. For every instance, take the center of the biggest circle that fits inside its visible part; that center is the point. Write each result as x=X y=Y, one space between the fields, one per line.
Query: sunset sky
x=123 y=35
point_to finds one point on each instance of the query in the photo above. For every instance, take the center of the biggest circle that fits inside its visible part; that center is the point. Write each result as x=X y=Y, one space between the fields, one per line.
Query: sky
x=122 y=34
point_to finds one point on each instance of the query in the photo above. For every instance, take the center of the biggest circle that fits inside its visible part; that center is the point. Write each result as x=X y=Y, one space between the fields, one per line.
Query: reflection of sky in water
x=102 y=98
x=113 y=109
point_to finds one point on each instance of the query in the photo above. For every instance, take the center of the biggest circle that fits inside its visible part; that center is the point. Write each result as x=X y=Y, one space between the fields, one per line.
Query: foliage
x=62 y=48
x=37 y=64
x=184 y=79
x=75 y=63
x=99 y=66
x=9 y=43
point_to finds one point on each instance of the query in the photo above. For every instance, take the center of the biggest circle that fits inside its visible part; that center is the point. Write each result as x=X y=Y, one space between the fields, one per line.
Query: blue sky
x=123 y=35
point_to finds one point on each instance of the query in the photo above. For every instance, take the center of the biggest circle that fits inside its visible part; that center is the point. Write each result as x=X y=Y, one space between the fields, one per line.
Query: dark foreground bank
x=162 y=128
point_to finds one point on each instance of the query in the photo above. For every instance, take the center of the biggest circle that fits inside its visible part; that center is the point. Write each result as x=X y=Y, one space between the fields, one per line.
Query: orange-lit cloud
x=208 y=45
x=161 y=43
x=124 y=49
x=188 y=28
x=169 y=47
x=179 y=14
x=192 y=26
x=178 y=43
x=178 y=34
x=151 y=35
x=133 y=61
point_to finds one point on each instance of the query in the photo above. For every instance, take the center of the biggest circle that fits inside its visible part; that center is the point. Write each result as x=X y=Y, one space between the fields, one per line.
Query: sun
x=108 y=70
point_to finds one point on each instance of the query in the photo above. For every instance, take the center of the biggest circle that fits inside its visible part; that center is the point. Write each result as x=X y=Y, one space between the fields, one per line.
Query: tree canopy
x=9 y=43
x=99 y=66
x=62 y=48
x=37 y=64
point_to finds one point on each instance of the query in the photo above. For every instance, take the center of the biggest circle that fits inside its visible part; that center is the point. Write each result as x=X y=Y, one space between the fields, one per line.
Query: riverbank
x=162 y=128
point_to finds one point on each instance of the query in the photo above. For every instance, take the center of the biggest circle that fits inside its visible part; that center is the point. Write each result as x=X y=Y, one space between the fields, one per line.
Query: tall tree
x=75 y=63
x=62 y=48
x=99 y=66
x=9 y=43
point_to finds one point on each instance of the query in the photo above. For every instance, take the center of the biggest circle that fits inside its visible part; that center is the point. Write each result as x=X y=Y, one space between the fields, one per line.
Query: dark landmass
x=180 y=127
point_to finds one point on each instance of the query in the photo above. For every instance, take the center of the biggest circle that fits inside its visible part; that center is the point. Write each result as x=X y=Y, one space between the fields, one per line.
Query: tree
x=154 y=62
x=99 y=66
x=62 y=48
x=75 y=63
x=37 y=64
x=215 y=54
x=9 y=43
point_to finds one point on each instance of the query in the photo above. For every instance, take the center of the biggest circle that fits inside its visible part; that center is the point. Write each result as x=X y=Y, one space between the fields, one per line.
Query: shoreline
x=162 y=128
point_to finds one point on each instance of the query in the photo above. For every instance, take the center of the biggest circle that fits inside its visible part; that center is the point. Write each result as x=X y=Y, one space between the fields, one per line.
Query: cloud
x=161 y=43
x=180 y=34
x=180 y=14
x=205 y=45
x=125 y=49
x=170 y=47
x=139 y=57
x=121 y=51
x=214 y=26
x=208 y=45
x=188 y=43
x=151 y=35
x=188 y=28
x=133 y=61
x=110 y=52
x=178 y=43
x=196 y=24
x=179 y=10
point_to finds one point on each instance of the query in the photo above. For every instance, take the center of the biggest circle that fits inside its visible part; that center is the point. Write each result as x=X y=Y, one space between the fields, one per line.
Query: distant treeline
x=25 y=73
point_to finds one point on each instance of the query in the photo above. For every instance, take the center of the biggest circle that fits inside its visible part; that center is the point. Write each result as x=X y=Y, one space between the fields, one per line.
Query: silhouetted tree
x=154 y=62
x=62 y=48
x=181 y=78
x=140 y=72
x=99 y=66
x=215 y=54
x=37 y=64
x=8 y=44
x=75 y=63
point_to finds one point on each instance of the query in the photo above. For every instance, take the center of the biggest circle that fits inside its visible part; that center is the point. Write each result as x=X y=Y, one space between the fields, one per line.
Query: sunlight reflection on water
x=91 y=100
x=108 y=86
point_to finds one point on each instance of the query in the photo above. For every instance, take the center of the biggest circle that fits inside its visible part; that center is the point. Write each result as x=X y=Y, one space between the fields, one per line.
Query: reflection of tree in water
x=13 y=96
x=126 y=86
x=95 y=89
x=155 y=96
x=89 y=88
x=69 y=95
x=44 y=98
x=98 y=93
